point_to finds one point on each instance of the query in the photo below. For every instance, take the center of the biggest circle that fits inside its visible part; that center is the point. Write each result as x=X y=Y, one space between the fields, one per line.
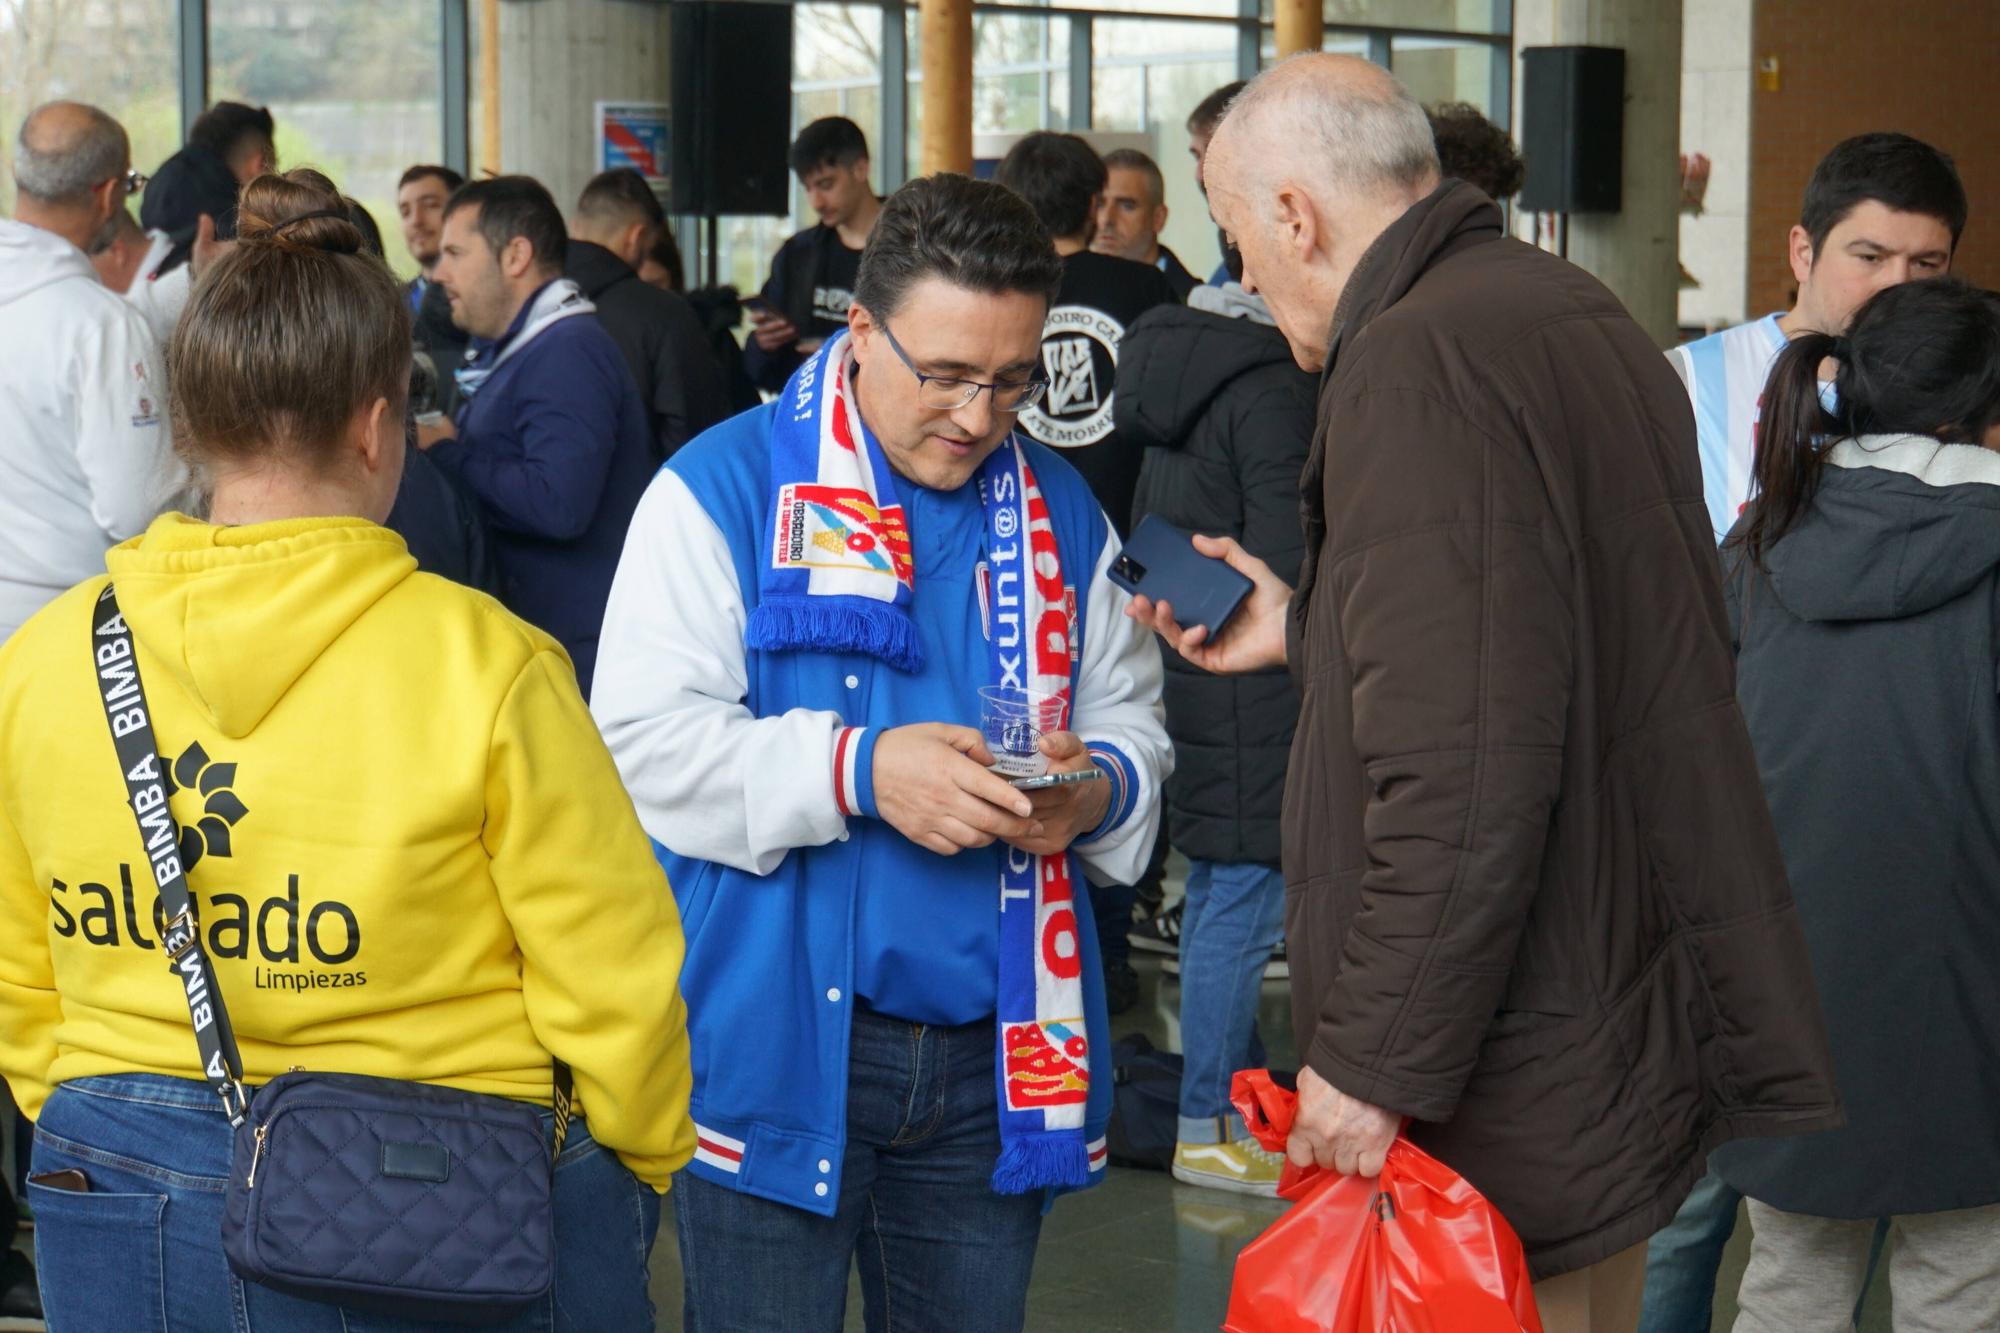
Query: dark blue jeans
x=141 y=1252
x=1684 y=1258
x=937 y=1248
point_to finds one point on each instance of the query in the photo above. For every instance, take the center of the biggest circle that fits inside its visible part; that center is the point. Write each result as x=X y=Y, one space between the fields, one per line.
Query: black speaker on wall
x=732 y=108
x=1573 y=128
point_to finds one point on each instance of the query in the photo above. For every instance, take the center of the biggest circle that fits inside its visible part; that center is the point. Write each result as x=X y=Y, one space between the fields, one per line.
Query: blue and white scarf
x=558 y=300
x=841 y=579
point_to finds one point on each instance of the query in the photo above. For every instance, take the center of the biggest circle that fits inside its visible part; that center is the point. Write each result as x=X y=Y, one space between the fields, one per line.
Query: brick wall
x=1849 y=66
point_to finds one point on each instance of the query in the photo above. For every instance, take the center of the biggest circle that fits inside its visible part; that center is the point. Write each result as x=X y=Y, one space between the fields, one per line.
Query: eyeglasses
x=135 y=181
x=947 y=394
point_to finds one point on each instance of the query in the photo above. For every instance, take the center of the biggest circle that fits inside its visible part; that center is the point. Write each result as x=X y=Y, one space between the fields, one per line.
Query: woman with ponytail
x=1864 y=593
x=407 y=851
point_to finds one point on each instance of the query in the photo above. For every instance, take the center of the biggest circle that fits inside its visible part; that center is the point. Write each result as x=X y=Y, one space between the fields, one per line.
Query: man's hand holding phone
x=1254 y=638
x=935 y=785
x=772 y=330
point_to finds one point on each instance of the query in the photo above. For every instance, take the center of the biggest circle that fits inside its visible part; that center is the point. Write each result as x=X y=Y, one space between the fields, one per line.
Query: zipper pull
x=257 y=1155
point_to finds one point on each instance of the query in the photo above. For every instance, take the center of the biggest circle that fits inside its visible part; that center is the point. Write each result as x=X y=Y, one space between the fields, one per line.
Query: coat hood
x=31 y=259
x=1174 y=361
x=594 y=268
x=238 y=615
x=1450 y=218
x=1899 y=525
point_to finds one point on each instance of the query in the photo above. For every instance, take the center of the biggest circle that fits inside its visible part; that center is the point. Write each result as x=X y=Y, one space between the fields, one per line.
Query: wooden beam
x=944 y=30
x=489 y=87
x=1299 y=25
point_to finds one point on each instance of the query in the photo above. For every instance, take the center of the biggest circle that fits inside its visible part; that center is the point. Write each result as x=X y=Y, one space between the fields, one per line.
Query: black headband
x=340 y=213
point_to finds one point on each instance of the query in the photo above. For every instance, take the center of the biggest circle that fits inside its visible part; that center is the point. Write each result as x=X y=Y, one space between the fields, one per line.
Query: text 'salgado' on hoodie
x=410 y=853
x=85 y=457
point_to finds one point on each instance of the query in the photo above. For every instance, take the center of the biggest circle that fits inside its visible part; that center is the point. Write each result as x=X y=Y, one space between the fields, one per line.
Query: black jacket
x=1226 y=419
x=192 y=182
x=1101 y=297
x=663 y=342
x=1177 y=274
x=1865 y=665
x=441 y=523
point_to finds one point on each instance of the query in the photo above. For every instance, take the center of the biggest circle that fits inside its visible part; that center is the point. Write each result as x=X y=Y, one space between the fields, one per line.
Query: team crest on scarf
x=840 y=578
x=828 y=527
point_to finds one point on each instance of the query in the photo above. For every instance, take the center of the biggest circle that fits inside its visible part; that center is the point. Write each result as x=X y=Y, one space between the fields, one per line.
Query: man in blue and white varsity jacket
x=897 y=1018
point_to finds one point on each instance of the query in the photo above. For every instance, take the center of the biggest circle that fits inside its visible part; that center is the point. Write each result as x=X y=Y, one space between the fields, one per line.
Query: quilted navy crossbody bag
x=376 y=1194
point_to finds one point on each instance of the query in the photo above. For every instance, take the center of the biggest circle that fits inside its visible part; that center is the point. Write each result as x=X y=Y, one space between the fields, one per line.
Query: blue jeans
x=1235 y=913
x=141 y=1252
x=937 y=1248
x=1684 y=1257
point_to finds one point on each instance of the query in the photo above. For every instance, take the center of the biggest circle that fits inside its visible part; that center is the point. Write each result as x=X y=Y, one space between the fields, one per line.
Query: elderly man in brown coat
x=1535 y=904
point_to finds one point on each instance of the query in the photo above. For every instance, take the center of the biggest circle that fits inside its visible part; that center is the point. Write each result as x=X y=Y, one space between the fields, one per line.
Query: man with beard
x=420 y=200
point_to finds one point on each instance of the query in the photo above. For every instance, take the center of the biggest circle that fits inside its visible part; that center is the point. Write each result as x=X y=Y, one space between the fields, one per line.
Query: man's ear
x=1799 y=249
x=632 y=242
x=1159 y=219
x=517 y=258
x=1298 y=222
x=861 y=327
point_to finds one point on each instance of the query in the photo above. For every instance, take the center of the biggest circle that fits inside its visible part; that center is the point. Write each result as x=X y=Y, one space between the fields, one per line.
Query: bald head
x=1338 y=125
x=1315 y=160
x=66 y=150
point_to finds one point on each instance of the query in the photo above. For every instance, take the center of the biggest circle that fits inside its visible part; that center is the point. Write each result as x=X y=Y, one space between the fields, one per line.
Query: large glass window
x=352 y=84
x=1147 y=75
x=116 y=54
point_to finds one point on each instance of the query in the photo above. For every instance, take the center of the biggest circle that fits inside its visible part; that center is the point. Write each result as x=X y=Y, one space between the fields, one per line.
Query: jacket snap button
x=824 y=1166
x=854 y=682
x=820 y=1189
x=833 y=995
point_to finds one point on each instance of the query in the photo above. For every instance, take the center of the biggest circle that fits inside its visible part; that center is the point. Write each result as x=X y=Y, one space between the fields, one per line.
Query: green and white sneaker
x=1242 y=1167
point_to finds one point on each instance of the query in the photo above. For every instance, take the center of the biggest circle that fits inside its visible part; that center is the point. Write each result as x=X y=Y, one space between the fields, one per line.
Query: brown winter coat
x=1533 y=896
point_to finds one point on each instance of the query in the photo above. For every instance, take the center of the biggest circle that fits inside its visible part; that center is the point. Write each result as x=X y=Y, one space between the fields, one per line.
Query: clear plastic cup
x=1013 y=721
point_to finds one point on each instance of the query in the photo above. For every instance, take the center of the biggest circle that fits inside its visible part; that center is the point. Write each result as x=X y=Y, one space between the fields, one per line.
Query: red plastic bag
x=1415 y=1251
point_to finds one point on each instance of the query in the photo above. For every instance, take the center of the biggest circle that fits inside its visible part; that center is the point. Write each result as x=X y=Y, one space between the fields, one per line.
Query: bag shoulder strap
x=116 y=667
x=125 y=710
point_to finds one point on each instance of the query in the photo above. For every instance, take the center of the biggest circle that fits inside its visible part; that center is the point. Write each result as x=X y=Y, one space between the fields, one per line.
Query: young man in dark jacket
x=1226 y=418
x=421 y=196
x=1063 y=180
x=1535 y=901
x=812 y=280
x=553 y=437
x=664 y=343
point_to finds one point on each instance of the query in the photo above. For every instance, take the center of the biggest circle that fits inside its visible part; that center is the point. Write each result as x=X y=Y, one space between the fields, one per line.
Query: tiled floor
x=1144 y=1254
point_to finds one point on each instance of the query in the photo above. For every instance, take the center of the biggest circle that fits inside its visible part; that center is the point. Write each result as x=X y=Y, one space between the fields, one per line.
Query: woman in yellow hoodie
x=409 y=851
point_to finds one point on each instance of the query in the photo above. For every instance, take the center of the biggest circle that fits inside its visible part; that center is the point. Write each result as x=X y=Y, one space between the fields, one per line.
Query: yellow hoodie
x=409 y=850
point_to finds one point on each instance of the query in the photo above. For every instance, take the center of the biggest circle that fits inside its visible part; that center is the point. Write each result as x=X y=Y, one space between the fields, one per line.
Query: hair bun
x=300 y=210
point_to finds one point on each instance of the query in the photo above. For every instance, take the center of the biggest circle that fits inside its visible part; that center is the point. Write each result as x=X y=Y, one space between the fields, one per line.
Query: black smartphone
x=1159 y=561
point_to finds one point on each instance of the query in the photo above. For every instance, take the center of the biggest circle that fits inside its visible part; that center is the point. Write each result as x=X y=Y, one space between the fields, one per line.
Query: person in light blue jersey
x=1880 y=209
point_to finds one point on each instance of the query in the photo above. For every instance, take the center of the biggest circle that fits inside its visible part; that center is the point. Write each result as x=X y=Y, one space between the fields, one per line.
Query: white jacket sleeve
x=711 y=780
x=1122 y=721
x=123 y=446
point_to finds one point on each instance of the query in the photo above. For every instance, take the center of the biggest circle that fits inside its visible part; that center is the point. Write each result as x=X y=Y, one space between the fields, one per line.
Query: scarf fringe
x=1031 y=1162
x=836 y=625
